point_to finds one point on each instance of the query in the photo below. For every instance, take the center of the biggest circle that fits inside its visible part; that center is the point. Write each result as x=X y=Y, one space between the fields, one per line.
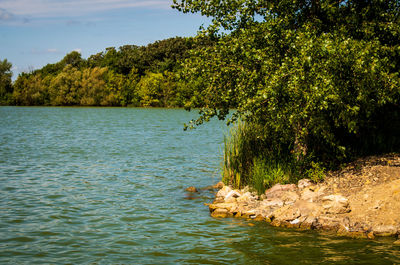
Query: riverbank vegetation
x=128 y=76
x=315 y=83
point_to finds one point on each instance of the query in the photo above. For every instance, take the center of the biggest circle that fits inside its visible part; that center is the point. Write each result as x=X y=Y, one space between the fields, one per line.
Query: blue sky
x=36 y=32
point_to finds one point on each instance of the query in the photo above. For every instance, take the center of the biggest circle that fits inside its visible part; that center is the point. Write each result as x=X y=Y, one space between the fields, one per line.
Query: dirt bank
x=361 y=200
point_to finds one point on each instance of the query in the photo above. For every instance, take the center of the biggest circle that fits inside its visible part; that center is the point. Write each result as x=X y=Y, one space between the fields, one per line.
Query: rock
x=385 y=230
x=218 y=200
x=311 y=194
x=267 y=212
x=289 y=187
x=279 y=187
x=275 y=222
x=219 y=185
x=258 y=217
x=343 y=230
x=191 y=189
x=245 y=198
x=302 y=183
x=328 y=223
x=371 y=235
x=232 y=193
x=346 y=222
x=274 y=188
x=223 y=192
x=274 y=194
x=308 y=222
x=230 y=199
x=295 y=221
x=301 y=214
x=308 y=208
x=335 y=204
x=248 y=213
x=231 y=207
x=289 y=197
x=238 y=214
x=286 y=213
x=308 y=195
x=221 y=213
x=274 y=202
x=352 y=234
x=278 y=190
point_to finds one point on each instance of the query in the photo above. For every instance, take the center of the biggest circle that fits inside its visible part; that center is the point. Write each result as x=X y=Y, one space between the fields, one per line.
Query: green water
x=106 y=186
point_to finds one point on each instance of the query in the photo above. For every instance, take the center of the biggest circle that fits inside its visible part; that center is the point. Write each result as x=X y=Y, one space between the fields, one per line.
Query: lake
x=107 y=186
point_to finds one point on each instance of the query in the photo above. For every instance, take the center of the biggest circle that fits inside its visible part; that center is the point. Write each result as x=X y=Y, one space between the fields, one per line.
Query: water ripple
x=106 y=185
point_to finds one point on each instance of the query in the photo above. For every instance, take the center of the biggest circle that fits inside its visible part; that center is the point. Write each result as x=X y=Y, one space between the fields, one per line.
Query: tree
x=6 y=87
x=150 y=89
x=111 y=77
x=31 y=89
x=321 y=76
x=65 y=88
x=73 y=58
x=123 y=88
x=93 y=90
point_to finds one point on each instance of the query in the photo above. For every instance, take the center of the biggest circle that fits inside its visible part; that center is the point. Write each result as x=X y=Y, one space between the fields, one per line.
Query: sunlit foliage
x=128 y=76
x=320 y=77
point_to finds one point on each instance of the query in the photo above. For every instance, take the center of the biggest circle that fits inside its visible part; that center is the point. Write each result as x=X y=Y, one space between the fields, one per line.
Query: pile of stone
x=303 y=206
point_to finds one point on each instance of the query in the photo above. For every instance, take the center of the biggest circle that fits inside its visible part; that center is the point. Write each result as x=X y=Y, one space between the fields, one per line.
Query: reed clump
x=249 y=159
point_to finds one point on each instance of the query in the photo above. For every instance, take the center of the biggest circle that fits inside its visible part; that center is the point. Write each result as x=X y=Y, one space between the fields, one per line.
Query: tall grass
x=250 y=160
x=239 y=150
x=267 y=173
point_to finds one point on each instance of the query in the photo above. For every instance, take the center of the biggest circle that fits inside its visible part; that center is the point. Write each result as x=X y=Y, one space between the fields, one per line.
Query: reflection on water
x=106 y=185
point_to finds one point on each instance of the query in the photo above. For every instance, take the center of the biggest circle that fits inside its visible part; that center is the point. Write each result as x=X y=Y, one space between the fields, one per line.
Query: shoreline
x=360 y=201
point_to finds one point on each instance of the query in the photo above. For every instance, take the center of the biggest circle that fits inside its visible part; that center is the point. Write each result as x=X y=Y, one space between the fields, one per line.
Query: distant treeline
x=128 y=76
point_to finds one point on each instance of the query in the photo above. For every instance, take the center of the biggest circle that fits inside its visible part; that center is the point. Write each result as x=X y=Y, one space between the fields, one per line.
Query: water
x=106 y=186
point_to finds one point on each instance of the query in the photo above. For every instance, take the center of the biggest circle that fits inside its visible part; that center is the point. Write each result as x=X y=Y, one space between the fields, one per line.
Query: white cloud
x=54 y=8
x=45 y=51
x=5 y=15
x=78 y=50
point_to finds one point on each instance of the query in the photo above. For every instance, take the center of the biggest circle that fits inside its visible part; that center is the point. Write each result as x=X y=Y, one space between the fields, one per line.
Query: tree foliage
x=320 y=76
x=128 y=76
x=5 y=81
